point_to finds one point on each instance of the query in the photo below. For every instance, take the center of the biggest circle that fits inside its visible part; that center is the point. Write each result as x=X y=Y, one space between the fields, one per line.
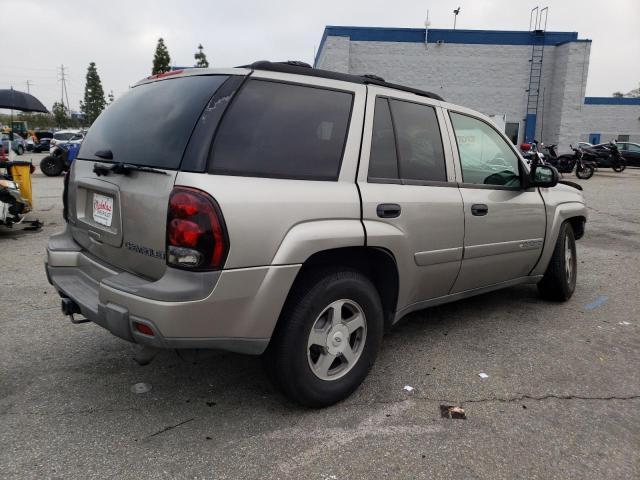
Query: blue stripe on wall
x=471 y=37
x=611 y=101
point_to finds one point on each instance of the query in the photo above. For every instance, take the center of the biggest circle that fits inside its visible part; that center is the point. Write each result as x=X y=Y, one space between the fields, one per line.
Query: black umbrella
x=25 y=102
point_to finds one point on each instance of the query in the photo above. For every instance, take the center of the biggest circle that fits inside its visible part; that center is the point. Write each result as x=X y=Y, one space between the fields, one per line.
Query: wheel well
x=577 y=224
x=376 y=263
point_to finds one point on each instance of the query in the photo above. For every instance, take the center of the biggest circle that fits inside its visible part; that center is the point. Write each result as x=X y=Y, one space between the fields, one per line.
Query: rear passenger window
x=406 y=143
x=283 y=131
x=383 y=162
x=419 y=142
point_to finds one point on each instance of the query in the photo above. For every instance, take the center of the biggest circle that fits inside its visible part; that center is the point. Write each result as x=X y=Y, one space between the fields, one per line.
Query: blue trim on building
x=446 y=35
x=530 y=128
x=611 y=101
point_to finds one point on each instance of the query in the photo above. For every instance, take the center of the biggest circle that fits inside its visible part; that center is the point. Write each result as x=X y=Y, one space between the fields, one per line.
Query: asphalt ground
x=561 y=399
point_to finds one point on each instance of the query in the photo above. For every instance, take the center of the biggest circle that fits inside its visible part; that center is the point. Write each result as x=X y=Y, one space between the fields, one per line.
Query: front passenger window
x=485 y=157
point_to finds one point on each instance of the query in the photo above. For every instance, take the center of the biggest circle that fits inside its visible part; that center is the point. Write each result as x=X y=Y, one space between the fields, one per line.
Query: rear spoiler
x=571 y=184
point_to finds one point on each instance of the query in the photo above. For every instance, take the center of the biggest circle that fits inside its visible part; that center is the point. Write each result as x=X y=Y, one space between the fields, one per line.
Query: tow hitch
x=70 y=308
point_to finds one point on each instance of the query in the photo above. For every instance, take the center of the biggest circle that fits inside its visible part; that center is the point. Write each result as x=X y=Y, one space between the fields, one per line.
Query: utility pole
x=28 y=82
x=63 y=88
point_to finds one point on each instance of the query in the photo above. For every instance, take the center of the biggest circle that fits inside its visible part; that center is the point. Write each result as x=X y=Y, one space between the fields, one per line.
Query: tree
x=201 y=58
x=111 y=97
x=161 y=59
x=94 y=101
x=61 y=114
x=618 y=94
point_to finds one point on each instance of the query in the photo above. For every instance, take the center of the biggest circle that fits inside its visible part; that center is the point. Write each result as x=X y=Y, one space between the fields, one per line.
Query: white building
x=534 y=82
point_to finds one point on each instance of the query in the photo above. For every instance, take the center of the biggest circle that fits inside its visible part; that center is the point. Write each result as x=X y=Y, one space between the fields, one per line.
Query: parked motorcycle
x=567 y=162
x=607 y=156
x=60 y=159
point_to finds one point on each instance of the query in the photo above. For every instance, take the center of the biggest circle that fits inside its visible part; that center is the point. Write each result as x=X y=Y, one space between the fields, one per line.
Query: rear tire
x=20 y=150
x=327 y=338
x=559 y=280
x=52 y=166
x=584 y=173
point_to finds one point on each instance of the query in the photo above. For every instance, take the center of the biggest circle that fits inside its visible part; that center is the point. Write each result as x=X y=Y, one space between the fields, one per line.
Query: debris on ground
x=452 y=411
x=483 y=375
x=408 y=388
x=624 y=323
x=599 y=301
x=140 y=387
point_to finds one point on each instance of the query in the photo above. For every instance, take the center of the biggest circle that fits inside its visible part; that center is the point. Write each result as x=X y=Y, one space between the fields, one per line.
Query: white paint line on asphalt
x=333 y=438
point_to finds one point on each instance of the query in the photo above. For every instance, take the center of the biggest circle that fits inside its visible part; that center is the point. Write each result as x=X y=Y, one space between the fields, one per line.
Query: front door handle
x=479 y=209
x=388 y=210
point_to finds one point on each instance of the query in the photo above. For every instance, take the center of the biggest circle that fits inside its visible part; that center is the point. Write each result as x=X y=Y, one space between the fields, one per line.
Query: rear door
x=120 y=218
x=504 y=223
x=411 y=203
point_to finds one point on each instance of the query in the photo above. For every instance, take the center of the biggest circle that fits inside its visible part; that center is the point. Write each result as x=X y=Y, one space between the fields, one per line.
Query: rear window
x=283 y=130
x=64 y=136
x=151 y=124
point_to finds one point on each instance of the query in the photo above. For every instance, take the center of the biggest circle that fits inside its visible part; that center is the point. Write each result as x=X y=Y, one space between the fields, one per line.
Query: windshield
x=151 y=124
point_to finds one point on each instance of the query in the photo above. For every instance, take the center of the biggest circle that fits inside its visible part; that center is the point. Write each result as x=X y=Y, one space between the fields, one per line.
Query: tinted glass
x=632 y=148
x=419 y=142
x=383 y=162
x=64 y=136
x=484 y=155
x=150 y=125
x=283 y=131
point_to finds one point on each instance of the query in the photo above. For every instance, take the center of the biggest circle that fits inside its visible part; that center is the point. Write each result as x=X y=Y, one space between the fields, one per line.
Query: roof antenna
x=455 y=16
x=427 y=23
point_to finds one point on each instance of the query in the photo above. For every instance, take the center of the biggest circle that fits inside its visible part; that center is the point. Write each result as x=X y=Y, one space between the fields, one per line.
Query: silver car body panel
x=442 y=252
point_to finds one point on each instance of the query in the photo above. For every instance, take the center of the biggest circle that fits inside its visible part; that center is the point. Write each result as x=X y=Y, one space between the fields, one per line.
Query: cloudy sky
x=120 y=35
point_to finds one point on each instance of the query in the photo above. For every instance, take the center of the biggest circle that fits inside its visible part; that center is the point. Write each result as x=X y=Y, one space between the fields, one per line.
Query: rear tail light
x=144 y=329
x=196 y=234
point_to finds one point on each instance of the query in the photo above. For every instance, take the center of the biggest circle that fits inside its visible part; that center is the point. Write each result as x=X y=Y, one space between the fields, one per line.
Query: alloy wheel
x=336 y=339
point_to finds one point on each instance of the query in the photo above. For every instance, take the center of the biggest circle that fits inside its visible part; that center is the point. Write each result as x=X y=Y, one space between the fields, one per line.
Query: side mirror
x=544 y=176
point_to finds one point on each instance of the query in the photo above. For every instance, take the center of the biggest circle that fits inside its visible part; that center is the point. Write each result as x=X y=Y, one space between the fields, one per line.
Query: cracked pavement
x=561 y=400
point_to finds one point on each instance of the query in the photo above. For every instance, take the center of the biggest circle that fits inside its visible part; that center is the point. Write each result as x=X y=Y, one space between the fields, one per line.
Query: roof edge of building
x=447 y=35
x=611 y=101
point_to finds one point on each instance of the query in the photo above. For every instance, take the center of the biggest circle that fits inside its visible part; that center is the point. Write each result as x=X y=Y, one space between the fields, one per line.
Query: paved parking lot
x=561 y=400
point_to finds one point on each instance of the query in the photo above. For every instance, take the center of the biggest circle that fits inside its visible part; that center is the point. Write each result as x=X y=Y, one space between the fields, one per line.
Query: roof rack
x=302 y=68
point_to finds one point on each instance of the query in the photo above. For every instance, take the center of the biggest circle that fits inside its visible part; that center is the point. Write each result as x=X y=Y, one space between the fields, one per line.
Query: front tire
x=559 y=281
x=584 y=173
x=619 y=168
x=52 y=166
x=20 y=150
x=327 y=338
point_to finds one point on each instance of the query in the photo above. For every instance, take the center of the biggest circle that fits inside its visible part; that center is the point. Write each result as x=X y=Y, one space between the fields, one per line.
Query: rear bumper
x=234 y=310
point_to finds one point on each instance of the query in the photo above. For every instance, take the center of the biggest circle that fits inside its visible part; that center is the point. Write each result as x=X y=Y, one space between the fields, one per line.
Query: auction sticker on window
x=102 y=209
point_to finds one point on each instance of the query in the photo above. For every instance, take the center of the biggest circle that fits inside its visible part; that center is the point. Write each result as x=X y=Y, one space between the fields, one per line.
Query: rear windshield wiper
x=122 y=169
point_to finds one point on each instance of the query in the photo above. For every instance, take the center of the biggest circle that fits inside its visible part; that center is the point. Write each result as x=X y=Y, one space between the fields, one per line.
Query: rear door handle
x=388 y=210
x=479 y=209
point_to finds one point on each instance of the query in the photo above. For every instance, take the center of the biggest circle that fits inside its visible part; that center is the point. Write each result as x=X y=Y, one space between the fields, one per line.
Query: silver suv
x=297 y=213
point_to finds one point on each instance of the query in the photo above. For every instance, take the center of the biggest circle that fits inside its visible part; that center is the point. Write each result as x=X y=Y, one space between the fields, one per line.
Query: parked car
x=288 y=215
x=43 y=145
x=67 y=136
x=40 y=134
x=631 y=153
x=585 y=145
x=17 y=144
